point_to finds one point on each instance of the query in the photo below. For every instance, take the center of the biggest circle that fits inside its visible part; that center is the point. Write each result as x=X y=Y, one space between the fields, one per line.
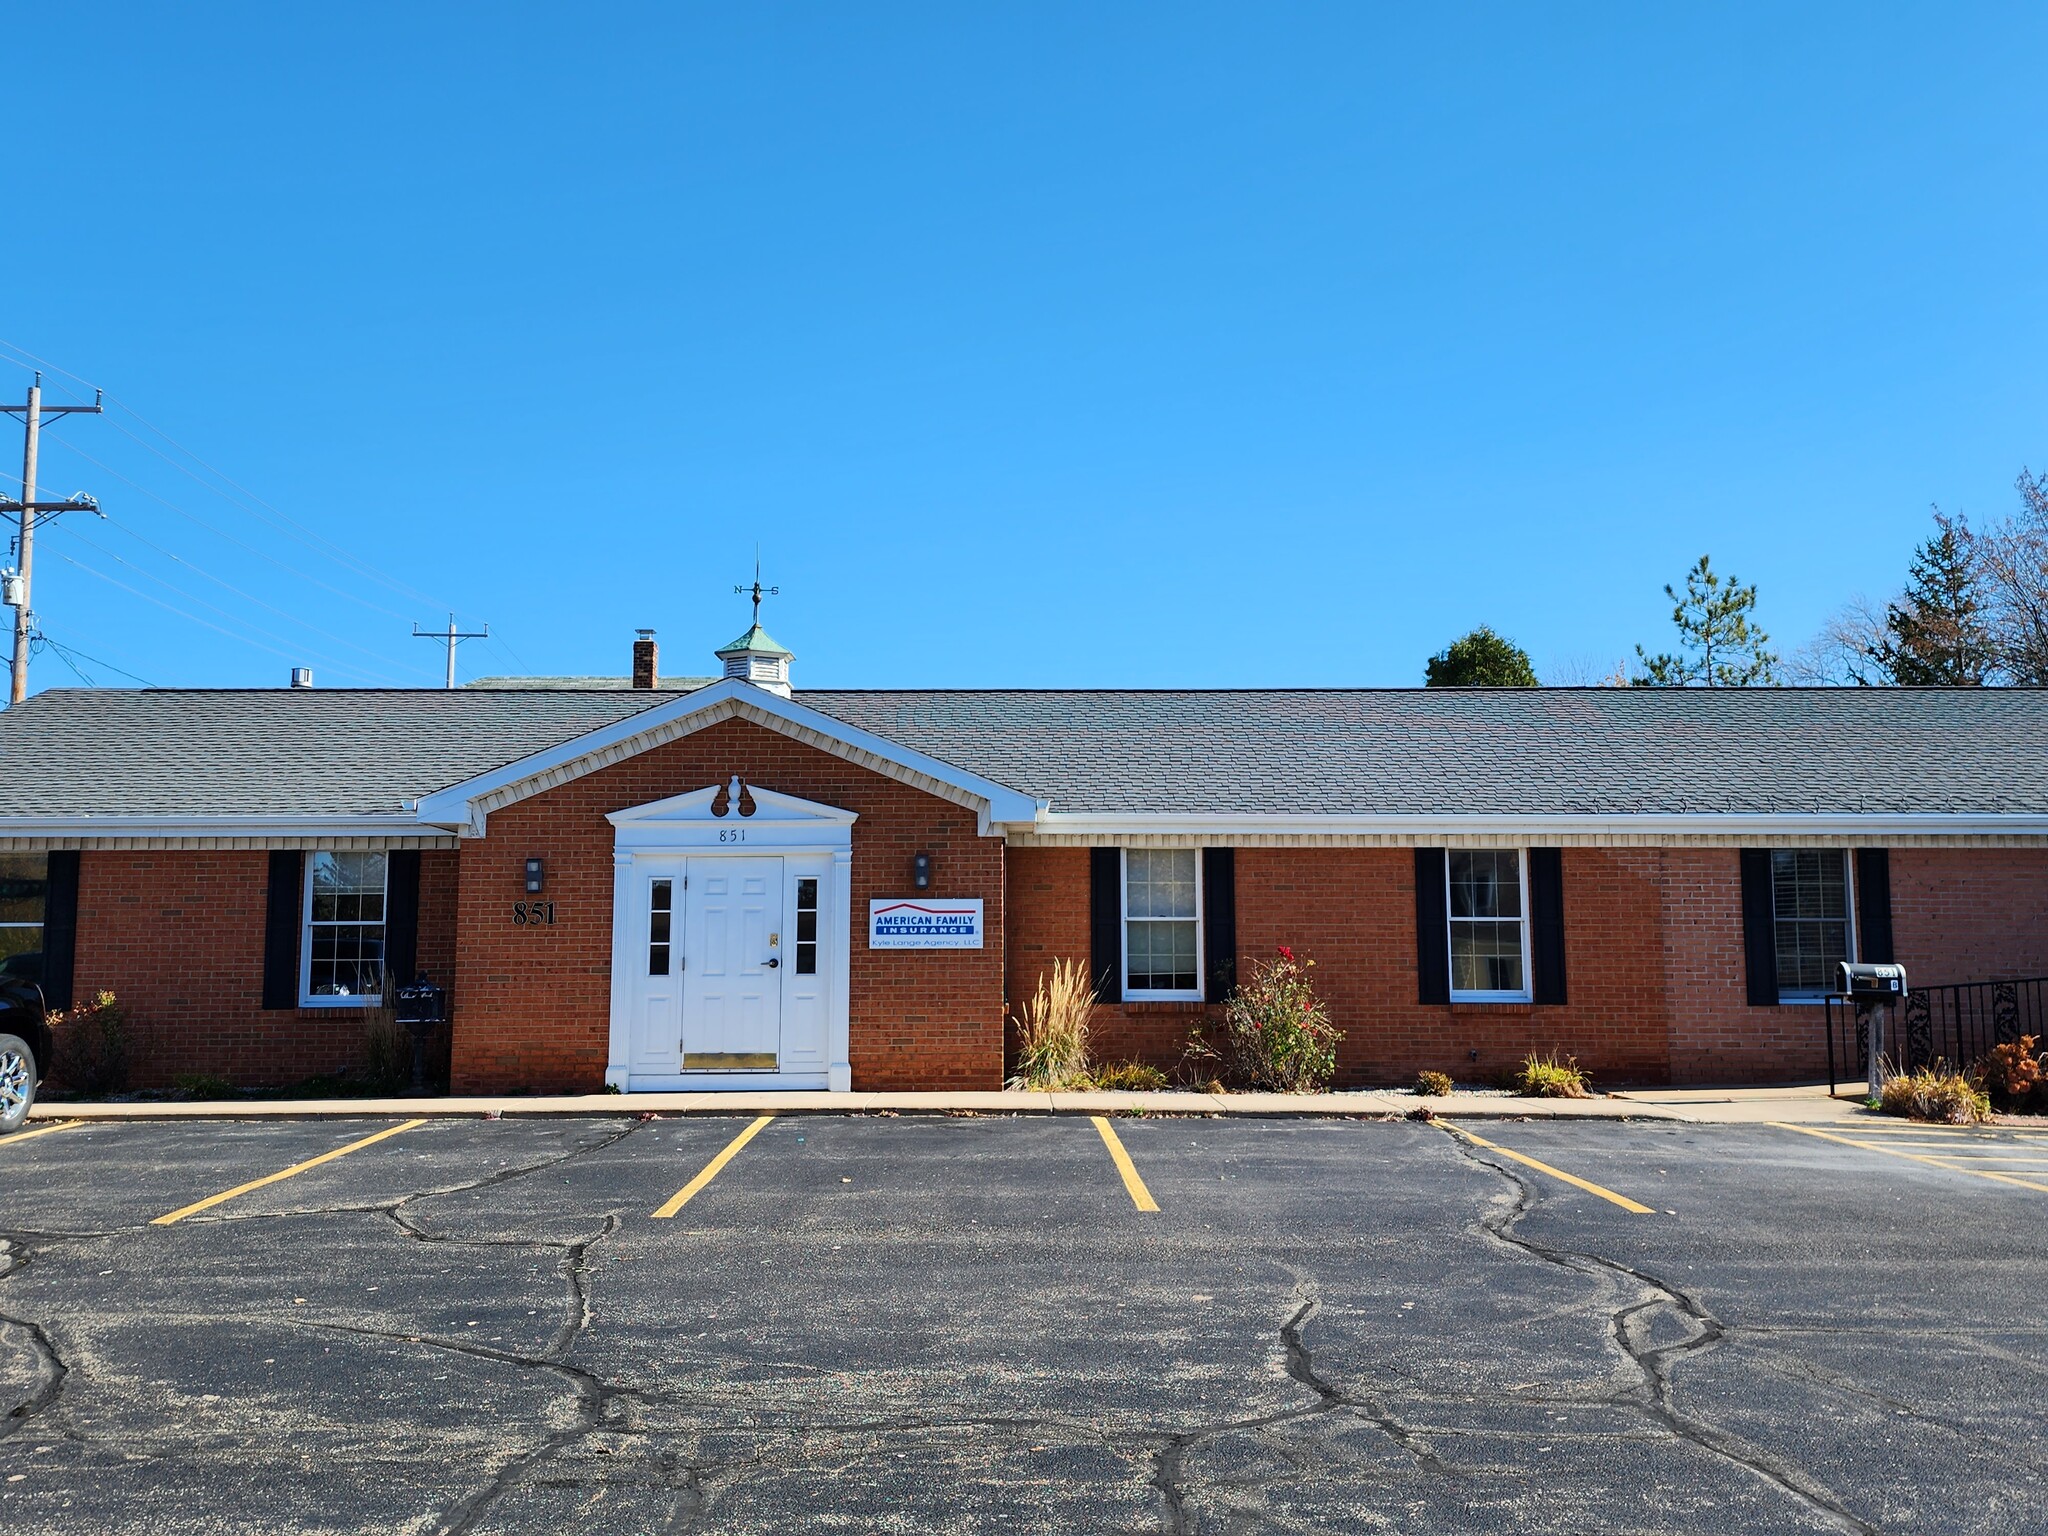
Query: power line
x=231 y=617
x=249 y=597
x=193 y=618
x=65 y=654
x=282 y=521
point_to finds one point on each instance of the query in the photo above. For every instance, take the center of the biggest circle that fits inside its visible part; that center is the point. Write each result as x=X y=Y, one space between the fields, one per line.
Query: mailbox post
x=422 y=1009
x=1873 y=990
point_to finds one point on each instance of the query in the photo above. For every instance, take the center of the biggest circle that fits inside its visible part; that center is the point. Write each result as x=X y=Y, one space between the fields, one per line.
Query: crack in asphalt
x=51 y=1368
x=1169 y=1475
x=1629 y=1326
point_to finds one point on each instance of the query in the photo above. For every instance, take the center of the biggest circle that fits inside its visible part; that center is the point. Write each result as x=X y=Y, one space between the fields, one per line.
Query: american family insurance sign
x=919 y=922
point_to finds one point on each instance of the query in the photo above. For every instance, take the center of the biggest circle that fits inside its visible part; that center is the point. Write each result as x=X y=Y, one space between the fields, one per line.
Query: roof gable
x=468 y=805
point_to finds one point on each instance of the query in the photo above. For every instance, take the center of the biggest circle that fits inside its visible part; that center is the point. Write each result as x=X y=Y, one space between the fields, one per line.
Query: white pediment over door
x=733 y=815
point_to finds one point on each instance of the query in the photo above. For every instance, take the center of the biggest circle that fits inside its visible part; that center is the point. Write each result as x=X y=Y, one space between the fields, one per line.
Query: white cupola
x=756 y=658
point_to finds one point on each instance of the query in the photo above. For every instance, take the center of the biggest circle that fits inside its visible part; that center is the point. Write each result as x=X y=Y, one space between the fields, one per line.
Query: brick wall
x=533 y=1005
x=1657 y=985
x=1970 y=914
x=178 y=938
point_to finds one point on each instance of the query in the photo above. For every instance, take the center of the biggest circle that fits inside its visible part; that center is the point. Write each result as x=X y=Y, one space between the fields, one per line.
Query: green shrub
x=92 y=1046
x=1545 y=1077
x=1052 y=1029
x=1280 y=1036
x=1433 y=1084
x=1939 y=1093
x=1127 y=1076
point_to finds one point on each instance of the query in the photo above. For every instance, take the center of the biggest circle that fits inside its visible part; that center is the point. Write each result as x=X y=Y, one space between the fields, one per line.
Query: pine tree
x=1481 y=659
x=1936 y=635
x=1719 y=647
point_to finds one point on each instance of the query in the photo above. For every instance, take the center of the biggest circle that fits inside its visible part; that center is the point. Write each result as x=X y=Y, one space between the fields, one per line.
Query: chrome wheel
x=17 y=1086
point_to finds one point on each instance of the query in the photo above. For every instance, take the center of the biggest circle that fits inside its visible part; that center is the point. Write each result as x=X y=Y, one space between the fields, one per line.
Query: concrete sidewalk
x=1807 y=1104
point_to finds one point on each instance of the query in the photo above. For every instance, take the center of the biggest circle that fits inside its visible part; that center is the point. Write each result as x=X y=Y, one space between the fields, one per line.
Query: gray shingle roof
x=1393 y=751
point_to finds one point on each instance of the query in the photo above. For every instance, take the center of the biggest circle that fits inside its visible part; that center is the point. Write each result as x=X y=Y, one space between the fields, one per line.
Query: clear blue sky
x=1035 y=344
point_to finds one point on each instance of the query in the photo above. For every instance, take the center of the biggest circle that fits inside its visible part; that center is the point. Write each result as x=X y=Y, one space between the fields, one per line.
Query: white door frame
x=703 y=824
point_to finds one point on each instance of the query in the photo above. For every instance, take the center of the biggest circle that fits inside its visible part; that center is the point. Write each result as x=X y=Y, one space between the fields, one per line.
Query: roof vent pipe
x=302 y=677
x=645 y=672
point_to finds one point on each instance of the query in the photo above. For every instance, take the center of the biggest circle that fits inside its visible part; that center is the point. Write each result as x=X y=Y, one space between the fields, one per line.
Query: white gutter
x=88 y=825
x=1605 y=823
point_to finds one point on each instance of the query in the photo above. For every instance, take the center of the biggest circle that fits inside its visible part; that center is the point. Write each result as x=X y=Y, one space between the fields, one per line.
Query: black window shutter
x=1759 y=928
x=401 y=918
x=1874 y=905
x=1546 y=924
x=1106 y=923
x=1432 y=928
x=281 y=928
x=60 y=927
x=1219 y=922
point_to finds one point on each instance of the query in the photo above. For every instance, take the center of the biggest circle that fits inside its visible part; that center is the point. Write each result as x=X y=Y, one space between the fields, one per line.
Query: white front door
x=733 y=949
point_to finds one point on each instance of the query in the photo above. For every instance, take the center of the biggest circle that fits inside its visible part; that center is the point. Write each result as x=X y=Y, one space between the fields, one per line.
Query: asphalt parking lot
x=912 y=1324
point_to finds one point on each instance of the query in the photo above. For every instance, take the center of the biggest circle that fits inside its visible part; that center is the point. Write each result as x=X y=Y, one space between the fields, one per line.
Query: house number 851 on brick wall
x=533 y=914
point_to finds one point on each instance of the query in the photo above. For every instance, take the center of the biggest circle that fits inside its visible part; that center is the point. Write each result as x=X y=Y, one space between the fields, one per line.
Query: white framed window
x=1813 y=920
x=1163 y=924
x=1489 y=923
x=341 y=961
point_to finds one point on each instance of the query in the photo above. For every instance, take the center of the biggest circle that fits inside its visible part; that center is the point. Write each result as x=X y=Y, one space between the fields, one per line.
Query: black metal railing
x=1957 y=1024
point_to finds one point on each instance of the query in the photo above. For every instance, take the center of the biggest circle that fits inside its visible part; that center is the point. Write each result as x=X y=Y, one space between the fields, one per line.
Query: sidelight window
x=807 y=926
x=660 y=920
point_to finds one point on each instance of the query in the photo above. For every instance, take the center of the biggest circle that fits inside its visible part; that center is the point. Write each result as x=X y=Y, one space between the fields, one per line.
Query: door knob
x=771 y=962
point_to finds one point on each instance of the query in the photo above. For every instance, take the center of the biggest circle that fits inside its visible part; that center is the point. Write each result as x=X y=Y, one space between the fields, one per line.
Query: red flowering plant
x=1279 y=1033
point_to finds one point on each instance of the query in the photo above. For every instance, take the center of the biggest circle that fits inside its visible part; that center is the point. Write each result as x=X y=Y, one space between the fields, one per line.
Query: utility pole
x=449 y=637
x=32 y=415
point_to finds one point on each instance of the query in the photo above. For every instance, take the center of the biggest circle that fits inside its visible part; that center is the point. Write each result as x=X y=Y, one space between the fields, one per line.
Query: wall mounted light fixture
x=921 y=871
x=536 y=876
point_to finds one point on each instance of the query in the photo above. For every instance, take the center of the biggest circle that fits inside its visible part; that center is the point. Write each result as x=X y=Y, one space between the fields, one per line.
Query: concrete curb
x=1689 y=1106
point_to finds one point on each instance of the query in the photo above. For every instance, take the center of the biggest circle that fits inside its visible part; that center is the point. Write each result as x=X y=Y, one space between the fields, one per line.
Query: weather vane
x=757 y=589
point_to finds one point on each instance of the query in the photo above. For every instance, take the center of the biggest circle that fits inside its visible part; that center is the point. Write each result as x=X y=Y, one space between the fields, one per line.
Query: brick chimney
x=644 y=673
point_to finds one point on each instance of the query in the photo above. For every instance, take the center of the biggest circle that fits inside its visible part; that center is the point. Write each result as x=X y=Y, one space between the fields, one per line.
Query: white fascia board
x=455 y=805
x=220 y=826
x=1535 y=827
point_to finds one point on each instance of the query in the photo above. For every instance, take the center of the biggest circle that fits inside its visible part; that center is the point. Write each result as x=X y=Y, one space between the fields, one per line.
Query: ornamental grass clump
x=1545 y=1077
x=1052 y=1029
x=1280 y=1035
x=1939 y=1093
x=1127 y=1077
x=1433 y=1085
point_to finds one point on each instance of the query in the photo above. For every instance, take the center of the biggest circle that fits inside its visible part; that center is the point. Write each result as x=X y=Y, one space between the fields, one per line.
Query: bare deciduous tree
x=1841 y=655
x=2011 y=560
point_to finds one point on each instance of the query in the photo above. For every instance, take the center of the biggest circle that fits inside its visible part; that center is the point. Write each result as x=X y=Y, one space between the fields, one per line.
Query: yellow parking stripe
x=1945 y=1164
x=689 y=1191
x=41 y=1130
x=283 y=1173
x=1556 y=1173
x=1141 y=1197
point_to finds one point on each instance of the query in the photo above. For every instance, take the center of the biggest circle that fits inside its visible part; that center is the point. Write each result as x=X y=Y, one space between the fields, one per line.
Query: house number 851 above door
x=533 y=914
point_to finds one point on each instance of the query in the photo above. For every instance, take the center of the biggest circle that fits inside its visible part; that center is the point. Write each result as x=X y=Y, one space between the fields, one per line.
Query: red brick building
x=726 y=884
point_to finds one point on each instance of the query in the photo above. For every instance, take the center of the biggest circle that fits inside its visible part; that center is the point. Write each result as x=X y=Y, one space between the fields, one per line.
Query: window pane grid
x=345 y=925
x=1810 y=905
x=1485 y=890
x=660 y=903
x=1161 y=928
x=807 y=927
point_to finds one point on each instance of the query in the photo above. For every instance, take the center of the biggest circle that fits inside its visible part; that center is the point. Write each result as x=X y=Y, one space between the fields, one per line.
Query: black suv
x=26 y=1042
